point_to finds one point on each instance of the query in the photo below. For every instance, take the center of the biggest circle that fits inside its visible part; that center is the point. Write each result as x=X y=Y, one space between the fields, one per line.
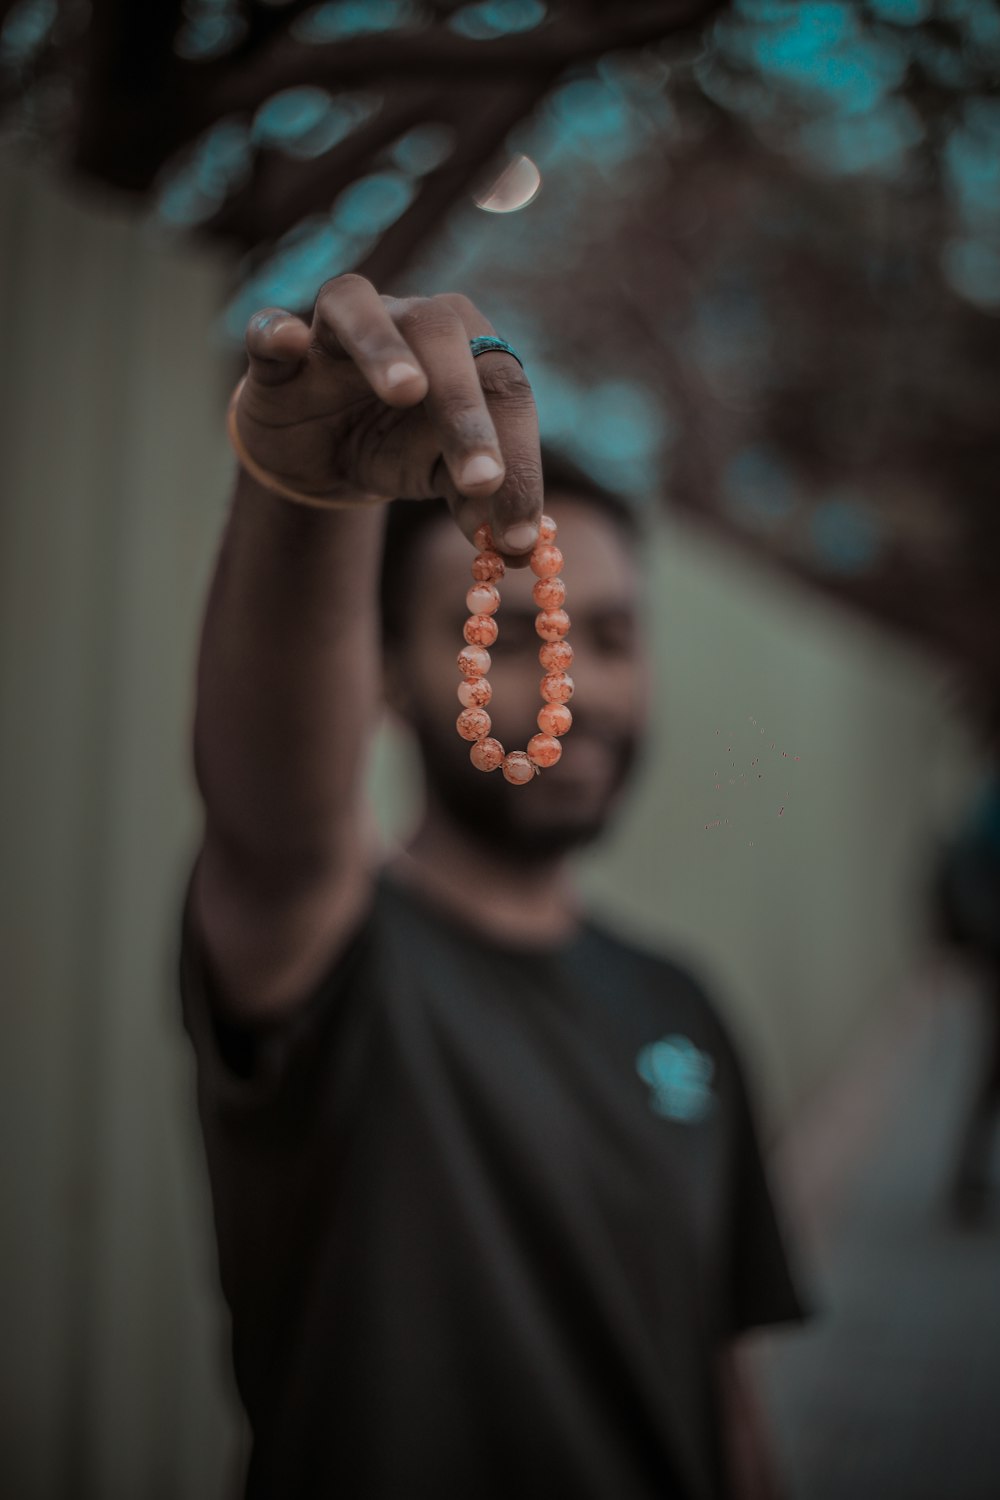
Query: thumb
x=277 y=342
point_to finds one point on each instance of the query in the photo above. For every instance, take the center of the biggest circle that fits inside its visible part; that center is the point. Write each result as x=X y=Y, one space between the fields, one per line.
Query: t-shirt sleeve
x=240 y=1065
x=763 y=1285
x=274 y=1103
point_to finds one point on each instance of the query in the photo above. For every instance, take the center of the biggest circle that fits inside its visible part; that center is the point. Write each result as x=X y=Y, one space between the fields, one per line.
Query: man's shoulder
x=671 y=964
x=669 y=975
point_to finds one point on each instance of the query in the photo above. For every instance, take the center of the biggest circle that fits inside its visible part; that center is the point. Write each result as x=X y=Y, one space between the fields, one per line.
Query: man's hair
x=409 y=521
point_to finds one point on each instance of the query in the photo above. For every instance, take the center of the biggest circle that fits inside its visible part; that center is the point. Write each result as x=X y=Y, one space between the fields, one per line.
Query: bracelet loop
x=262 y=476
x=555 y=655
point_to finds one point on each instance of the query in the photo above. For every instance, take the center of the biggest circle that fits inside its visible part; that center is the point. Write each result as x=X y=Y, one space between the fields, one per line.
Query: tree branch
x=443 y=188
x=282 y=190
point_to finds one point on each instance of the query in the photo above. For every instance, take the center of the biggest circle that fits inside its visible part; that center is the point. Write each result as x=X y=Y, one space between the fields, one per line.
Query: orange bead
x=480 y=630
x=543 y=750
x=488 y=567
x=473 y=723
x=518 y=768
x=486 y=755
x=557 y=687
x=483 y=538
x=552 y=624
x=549 y=593
x=556 y=656
x=546 y=529
x=474 y=662
x=546 y=560
x=474 y=692
x=483 y=599
x=554 y=718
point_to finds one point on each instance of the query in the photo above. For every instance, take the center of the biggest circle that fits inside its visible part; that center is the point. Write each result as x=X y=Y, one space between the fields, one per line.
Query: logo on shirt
x=679 y=1075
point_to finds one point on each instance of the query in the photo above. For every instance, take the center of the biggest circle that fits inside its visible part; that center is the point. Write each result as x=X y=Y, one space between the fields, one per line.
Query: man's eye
x=615 y=635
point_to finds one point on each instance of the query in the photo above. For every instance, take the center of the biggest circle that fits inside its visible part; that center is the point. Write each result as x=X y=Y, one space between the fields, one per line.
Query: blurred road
x=894 y=1393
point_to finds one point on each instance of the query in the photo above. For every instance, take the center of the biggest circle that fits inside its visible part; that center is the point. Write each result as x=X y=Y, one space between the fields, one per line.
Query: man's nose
x=604 y=689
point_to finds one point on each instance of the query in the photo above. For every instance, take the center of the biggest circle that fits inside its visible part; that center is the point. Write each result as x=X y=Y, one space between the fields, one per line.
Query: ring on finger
x=488 y=343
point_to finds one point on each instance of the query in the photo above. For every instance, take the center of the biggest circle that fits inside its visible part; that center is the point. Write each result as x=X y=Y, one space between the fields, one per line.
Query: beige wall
x=114 y=481
x=809 y=917
x=115 y=471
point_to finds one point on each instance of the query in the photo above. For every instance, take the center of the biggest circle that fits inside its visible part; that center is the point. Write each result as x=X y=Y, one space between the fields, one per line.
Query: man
x=489 y=1207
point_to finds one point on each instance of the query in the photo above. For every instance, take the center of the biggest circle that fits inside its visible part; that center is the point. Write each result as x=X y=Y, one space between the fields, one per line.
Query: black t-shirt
x=485 y=1217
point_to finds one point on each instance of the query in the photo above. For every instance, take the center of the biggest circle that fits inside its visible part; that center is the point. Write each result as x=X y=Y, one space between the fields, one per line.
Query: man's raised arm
x=375 y=398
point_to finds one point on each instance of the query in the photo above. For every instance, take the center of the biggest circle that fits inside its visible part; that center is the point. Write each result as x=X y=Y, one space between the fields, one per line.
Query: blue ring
x=488 y=343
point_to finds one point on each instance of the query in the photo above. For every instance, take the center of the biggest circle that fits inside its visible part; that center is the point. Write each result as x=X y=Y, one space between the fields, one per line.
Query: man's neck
x=507 y=899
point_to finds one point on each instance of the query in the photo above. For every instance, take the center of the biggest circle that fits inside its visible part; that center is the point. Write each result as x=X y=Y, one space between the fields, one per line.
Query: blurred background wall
x=115 y=482
x=790 y=873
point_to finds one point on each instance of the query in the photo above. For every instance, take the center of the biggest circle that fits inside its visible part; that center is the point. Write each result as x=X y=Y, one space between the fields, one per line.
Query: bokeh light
x=342 y=19
x=487 y=19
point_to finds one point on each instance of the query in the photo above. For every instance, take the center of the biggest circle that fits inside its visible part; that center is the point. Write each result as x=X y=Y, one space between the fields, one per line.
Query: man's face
x=569 y=803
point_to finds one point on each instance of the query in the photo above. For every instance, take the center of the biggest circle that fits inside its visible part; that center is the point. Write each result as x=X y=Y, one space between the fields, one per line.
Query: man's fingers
x=515 y=508
x=476 y=418
x=455 y=404
x=277 y=342
x=351 y=318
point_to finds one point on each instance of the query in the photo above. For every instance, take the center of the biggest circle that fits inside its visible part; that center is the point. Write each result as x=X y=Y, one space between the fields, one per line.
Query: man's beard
x=492 y=812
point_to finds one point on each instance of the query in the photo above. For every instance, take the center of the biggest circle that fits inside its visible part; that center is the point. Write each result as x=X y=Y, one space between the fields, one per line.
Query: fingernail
x=400 y=372
x=520 y=538
x=480 y=470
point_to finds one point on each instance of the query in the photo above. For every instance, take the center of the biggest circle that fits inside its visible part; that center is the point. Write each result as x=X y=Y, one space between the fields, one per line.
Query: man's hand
x=749 y=1446
x=381 y=397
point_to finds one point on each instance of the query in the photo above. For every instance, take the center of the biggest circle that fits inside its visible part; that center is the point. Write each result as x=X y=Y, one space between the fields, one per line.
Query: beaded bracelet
x=555 y=655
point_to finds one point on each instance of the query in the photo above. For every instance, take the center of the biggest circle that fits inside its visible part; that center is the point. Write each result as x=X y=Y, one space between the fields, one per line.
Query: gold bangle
x=271 y=481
